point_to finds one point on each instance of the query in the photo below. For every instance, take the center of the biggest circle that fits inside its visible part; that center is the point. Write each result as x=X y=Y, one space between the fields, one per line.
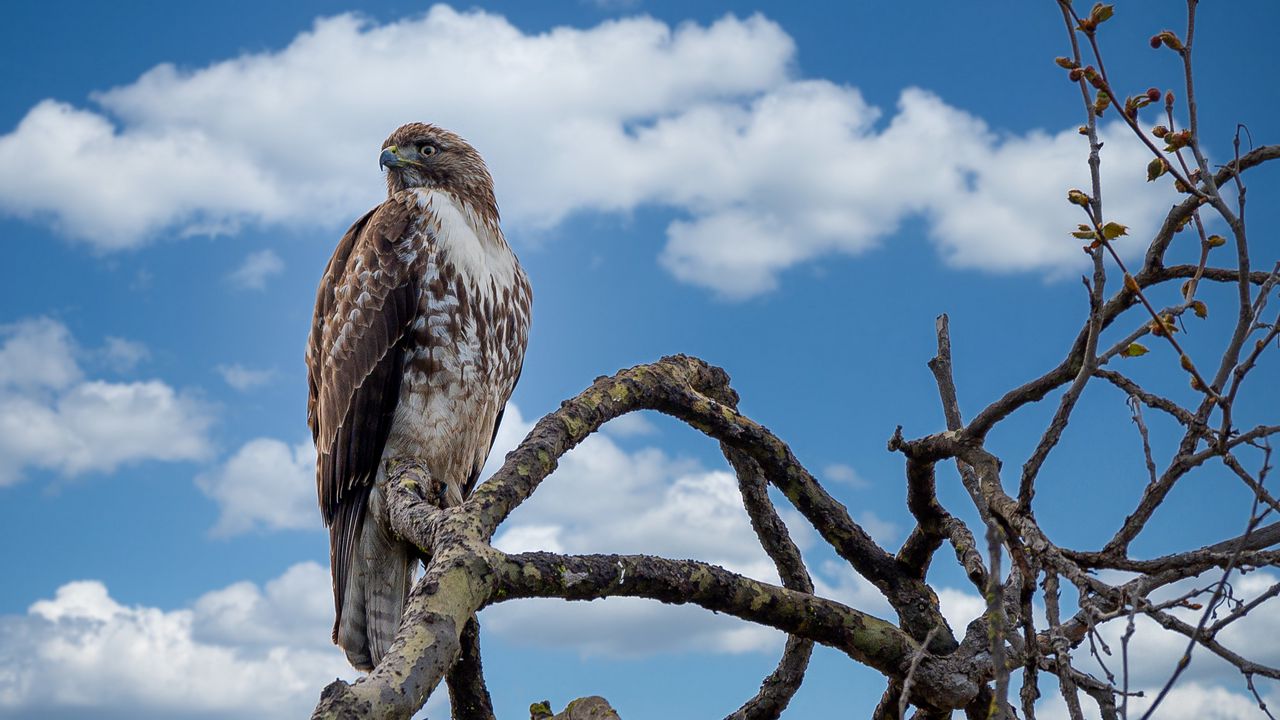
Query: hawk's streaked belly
x=464 y=350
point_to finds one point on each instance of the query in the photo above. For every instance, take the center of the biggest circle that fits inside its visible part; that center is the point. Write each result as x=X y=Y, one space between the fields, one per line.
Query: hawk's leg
x=423 y=484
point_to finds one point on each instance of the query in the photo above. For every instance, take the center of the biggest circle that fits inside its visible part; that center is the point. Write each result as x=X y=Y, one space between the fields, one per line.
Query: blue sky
x=791 y=191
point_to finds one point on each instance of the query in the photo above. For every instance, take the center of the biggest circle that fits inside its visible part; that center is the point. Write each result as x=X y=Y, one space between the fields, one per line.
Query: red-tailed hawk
x=418 y=338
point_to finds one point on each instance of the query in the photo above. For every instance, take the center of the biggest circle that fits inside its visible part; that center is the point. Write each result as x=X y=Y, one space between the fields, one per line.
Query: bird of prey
x=417 y=341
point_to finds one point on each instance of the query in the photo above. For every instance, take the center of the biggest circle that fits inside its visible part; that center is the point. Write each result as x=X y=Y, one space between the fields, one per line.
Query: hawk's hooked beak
x=390 y=157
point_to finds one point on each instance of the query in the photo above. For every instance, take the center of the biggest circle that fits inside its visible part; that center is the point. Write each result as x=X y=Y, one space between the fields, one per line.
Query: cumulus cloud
x=845 y=475
x=838 y=581
x=632 y=424
x=266 y=484
x=1209 y=687
x=51 y=417
x=242 y=651
x=202 y=150
x=37 y=353
x=249 y=650
x=605 y=499
x=124 y=355
x=885 y=532
x=256 y=268
x=292 y=610
x=513 y=429
x=1186 y=701
x=244 y=378
x=960 y=607
x=171 y=177
x=1252 y=636
x=765 y=170
x=813 y=176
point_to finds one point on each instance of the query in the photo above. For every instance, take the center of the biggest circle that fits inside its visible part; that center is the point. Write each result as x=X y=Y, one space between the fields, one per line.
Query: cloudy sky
x=792 y=191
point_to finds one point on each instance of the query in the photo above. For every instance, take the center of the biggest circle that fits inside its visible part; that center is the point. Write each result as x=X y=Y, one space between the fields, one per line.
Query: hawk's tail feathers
x=378 y=583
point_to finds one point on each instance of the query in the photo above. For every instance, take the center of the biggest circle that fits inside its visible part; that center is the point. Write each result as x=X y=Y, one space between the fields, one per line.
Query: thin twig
x=903 y=702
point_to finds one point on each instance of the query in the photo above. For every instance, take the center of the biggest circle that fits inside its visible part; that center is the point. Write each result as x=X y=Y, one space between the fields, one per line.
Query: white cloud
x=294 y=610
x=513 y=429
x=812 y=176
x=960 y=607
x=1158 y=649
x=243 y=378
x=1254 y=635
x=605 y=499
x=141 y=180
x=37 y=353
x=256 y=268
x=242 y=651
x=527 y=538
x=1209 y=687
x=1186 y=701
x=265 y=484
x=237 y=140
x=838 y=581
x=884 y=532
x=632 y=424
x=765 y=170
x=1011 y=214
x=844 y=474
x=124 y=355
x=1195 y=701
x=53 y=418
x=625 y=628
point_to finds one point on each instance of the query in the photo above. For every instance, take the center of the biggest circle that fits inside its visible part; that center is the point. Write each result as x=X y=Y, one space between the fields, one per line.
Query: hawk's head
x=426 y=156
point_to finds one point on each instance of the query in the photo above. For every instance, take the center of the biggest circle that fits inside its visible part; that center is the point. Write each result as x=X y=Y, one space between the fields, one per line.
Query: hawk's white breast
x=475 y=247
x=468 y=338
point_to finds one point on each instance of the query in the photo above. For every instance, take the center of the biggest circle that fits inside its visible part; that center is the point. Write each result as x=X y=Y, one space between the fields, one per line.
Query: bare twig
x=911 y=672
x=1061 y=648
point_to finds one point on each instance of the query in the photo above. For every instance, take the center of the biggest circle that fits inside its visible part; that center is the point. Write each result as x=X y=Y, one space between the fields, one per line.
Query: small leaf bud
x=1156 y=168
x=1135 y=350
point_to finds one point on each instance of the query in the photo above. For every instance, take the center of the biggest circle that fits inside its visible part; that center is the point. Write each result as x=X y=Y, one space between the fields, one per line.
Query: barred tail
x=377 y=587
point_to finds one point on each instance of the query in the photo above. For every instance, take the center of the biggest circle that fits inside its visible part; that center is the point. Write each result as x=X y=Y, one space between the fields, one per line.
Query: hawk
x=417 y=341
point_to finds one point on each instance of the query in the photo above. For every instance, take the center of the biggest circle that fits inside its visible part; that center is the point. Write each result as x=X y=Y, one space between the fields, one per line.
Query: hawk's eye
x=426 y=150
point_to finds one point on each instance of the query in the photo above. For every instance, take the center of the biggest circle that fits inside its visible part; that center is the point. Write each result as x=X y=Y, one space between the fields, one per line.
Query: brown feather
x=363 y=312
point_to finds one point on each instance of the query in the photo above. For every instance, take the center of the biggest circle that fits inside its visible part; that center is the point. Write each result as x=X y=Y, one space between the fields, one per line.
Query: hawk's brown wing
x=364 y=309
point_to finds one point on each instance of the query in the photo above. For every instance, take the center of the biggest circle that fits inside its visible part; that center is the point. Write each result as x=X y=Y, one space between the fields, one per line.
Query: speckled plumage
x=417 y=341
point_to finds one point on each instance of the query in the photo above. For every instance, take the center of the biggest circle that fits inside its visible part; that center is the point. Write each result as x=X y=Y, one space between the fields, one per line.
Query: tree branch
x=780 y=686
